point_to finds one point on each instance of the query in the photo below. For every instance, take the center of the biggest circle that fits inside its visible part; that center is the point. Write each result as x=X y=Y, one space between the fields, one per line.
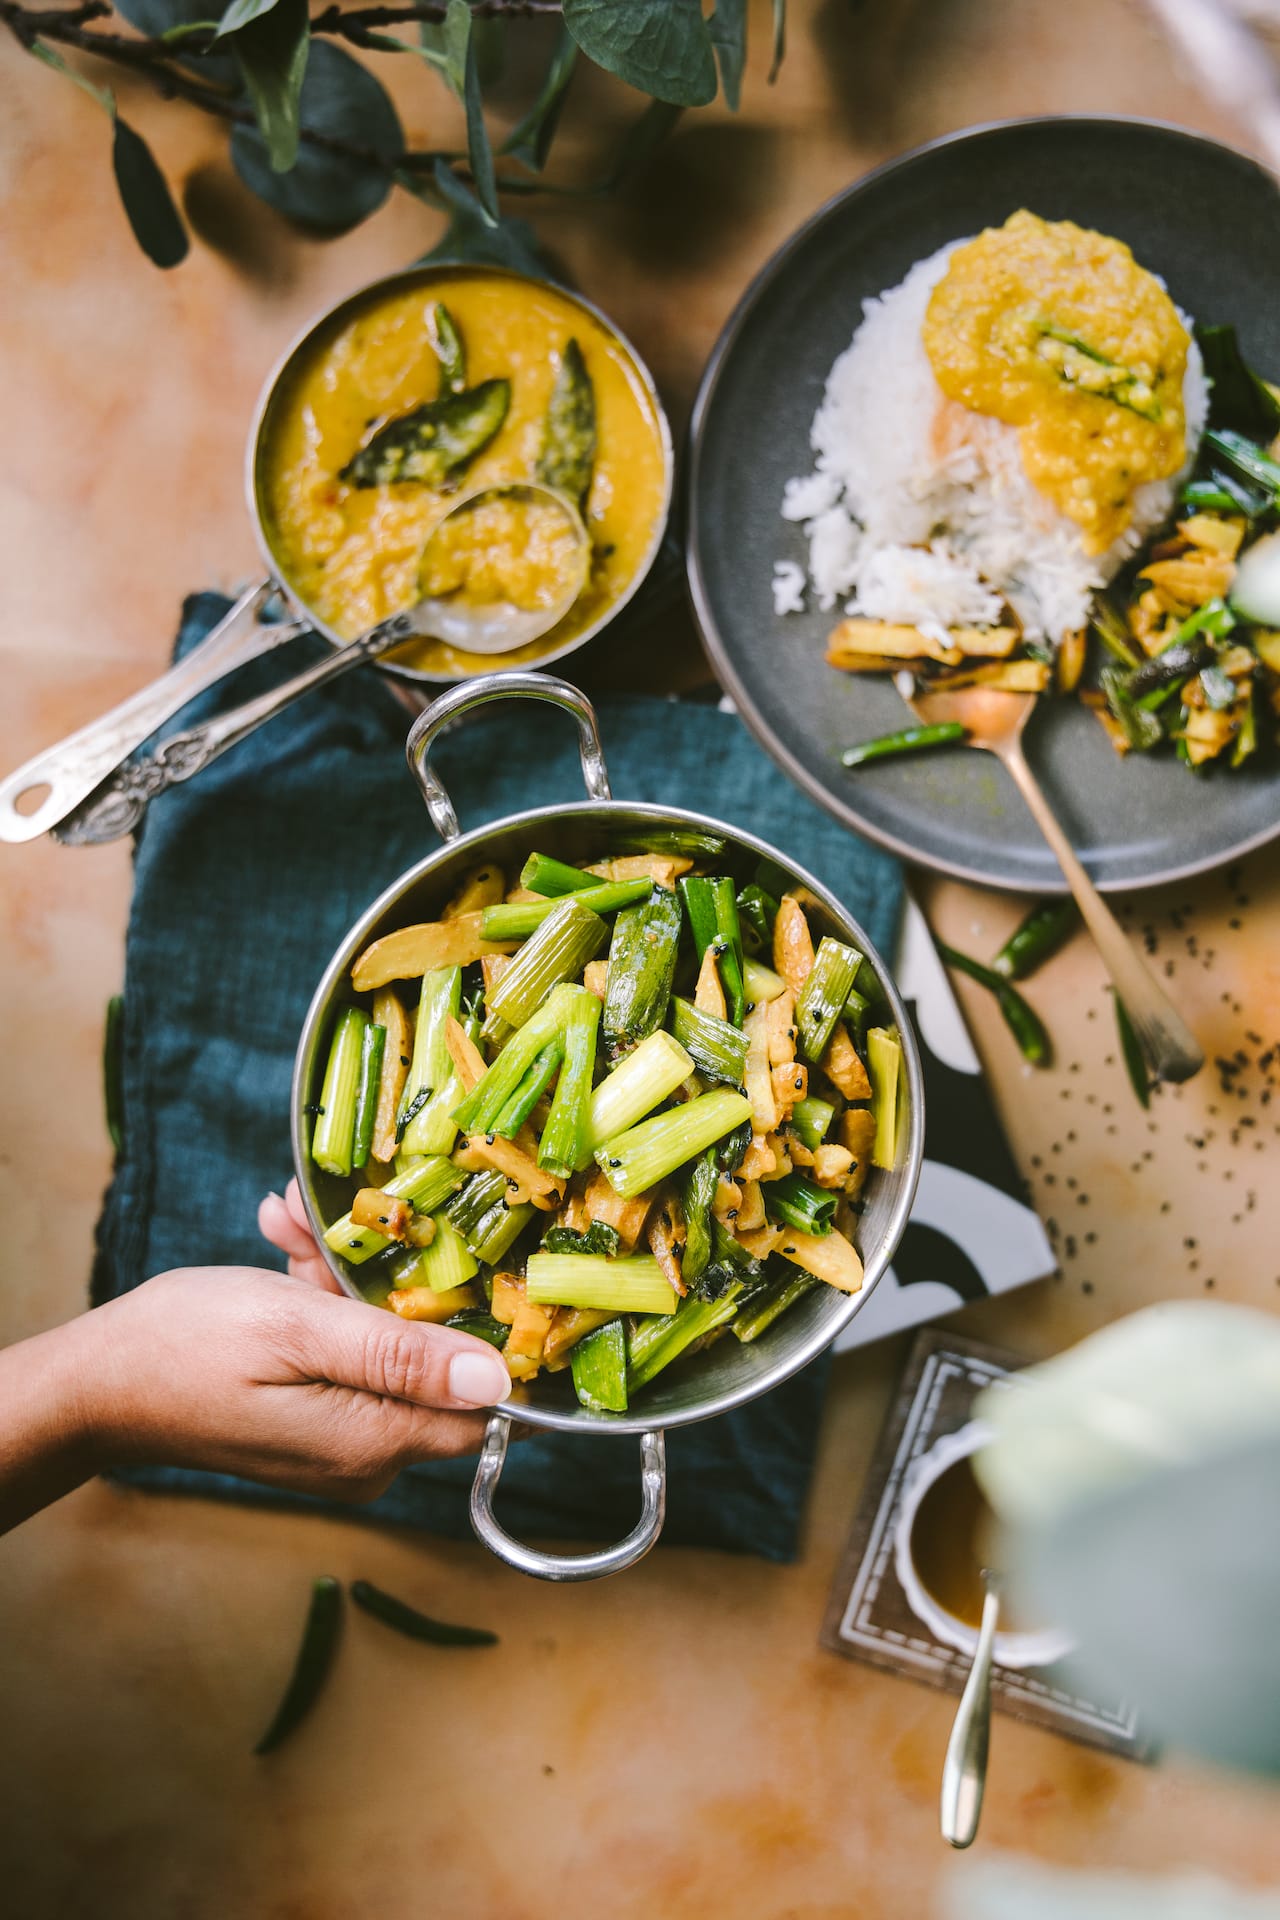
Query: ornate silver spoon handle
x=72 y=769
x=119 y=804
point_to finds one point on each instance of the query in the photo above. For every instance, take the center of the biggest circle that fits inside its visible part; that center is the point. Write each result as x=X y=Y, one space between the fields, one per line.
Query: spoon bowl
x=499 y=624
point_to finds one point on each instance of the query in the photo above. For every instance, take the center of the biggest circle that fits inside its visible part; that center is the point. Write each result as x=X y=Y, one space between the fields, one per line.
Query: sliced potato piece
x=792 y=943
x=465 y=1055
x=832 y=1164
x=595 y=977
x=526 y=1180
x=759 y=1162
x=626 y=1217
x=708 y=995
x=1069 y=664
x=843 y=1065
x=857 y=1130
x=782 y=1029
x=381 y=1211
x=397 y=1052
x=757 y=1075
x=666 y=1241
x=1006 y=676
x=527 y=1338
x=828 y=1256
x=790 y=1082
x=424 y=1303
x=664 y=869
x=412 y=951
x=751 y=1210
x=508 y=1292
x=859 y=637
x=1213 y=534
x=481 y=887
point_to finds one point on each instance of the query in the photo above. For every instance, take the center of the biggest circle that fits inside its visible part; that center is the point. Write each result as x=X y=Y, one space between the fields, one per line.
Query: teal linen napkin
x=247 y=878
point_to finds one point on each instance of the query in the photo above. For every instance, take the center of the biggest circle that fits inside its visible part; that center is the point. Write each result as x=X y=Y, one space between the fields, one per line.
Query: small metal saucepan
x=43 y=792
x=729 y=1373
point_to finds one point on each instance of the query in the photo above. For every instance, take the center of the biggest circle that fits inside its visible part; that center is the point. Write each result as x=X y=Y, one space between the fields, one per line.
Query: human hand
x=282 y=1379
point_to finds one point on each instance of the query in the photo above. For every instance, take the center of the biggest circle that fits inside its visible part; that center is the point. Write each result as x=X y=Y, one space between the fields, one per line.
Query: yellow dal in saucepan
x=515 y=548
x=1041 y=324
x=352 y=553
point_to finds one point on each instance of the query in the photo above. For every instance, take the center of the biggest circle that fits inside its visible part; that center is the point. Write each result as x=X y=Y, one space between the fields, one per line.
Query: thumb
x=353 y=1345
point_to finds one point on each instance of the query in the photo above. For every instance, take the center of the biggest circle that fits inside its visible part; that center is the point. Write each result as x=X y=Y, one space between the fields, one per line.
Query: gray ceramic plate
x=1208 y=221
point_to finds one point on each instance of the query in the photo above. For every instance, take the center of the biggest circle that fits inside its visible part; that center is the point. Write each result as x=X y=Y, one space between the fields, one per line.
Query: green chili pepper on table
x=1048 y=926
x=1134 y=1062
x=418 y=1626
x=113 y=1069
x=1022 y=1020
x=906 y=740
x=311 y=1669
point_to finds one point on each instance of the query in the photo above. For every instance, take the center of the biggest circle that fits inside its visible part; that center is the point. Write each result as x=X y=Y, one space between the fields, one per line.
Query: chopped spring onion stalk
x=811 y=1119
x=480 y=1325
x=642 y=965
x=485 y=1219
x=1220 y=494
x=906 y=740
x=565 y=1140
x=697 y=1197
x=1255 y=592
x=763 y=1309
x=557 y=950
x=757 y=911
x=483 y=1105
x=542 y=874
x=856 y=1009
x=426 y=1185
x=884 y=1064
x=375 y=1040
x=656 y=1343
x=800 y=1203
x=1247 y=458
x=638 y=1159
x=761 y=982
x=635 y=1284
x=717 y=1049
x=1034 y=940
x=822 y=998
x=431 y=1129
x=1109 y=625
x=530 y=1091
x=712 y=912
x=599 y=1365
x=334 y=1136
x=638 y=1084
x=518 y=920
x=448 y=1262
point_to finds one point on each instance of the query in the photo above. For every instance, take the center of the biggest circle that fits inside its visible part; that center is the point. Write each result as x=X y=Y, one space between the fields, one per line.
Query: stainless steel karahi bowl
x=728 y=1373
x=275 y=395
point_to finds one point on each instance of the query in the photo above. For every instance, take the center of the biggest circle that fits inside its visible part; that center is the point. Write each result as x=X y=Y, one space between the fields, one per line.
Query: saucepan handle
x=78 y=765
x=478 y=693
x=576 y=1566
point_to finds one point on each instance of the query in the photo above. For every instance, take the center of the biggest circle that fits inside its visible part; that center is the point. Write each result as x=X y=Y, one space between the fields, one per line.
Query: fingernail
x=478 y=1381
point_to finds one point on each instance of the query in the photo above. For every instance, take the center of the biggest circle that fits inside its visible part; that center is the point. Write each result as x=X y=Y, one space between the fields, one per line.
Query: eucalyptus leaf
x=272 y=49
x=461 y=40
x=327 y=191
x=471 y=237
x=1172 y=1588
x=155 y=18
x=728 y=29
x=240 y=12
x=660 y=46
x=157 y=224
x=530 y=141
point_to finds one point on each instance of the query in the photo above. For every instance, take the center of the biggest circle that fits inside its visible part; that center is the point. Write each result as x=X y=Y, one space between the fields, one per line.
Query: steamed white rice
x=919 y=511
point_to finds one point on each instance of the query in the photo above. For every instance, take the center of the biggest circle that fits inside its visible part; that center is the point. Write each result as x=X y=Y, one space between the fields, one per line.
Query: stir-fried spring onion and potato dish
x=609 y=1116
x=1033 y=472
x=469 y=380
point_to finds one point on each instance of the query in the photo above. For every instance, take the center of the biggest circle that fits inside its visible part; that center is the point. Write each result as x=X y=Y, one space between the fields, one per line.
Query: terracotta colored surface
x=673 y=1742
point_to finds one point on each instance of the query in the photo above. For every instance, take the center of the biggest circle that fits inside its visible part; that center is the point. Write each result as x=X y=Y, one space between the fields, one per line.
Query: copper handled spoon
x=994 y=722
